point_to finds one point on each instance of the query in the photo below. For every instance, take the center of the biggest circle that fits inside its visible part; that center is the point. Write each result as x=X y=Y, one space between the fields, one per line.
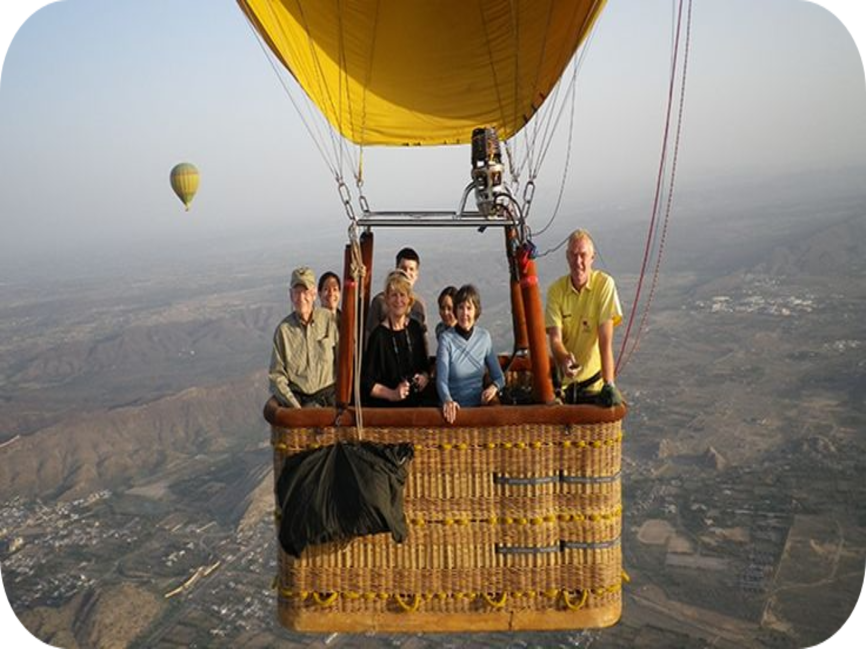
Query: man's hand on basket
x=610 y=395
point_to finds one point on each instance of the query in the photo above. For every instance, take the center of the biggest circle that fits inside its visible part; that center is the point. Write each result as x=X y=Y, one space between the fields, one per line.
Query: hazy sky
x=99 y=99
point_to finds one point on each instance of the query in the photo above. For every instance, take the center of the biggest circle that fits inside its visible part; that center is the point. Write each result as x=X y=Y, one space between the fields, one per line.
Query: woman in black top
x=395 y=369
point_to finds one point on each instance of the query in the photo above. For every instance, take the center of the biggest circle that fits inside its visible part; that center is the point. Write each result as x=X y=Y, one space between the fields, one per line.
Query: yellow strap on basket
x=409 y=608
x=495 y=604
x=579 y=605
x=327 y=601
x=625 y=577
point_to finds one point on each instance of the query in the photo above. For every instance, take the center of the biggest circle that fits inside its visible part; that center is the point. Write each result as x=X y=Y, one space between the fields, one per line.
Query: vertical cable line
x=576 y=64
x=653 y=224
x=344 y=92
x=565 y=169
x=515 y=53
x=492 y=64
x=545 y=120
x=317 y=138
x=324 y=93
x=526 y=139
x=670 y=195
x=548 y=121
x=343 y=77
x=359 y=175
x=547 y=141
x=346 y=143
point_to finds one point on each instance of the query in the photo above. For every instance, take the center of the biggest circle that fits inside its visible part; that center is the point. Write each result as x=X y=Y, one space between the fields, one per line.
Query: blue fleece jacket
x=460 y=366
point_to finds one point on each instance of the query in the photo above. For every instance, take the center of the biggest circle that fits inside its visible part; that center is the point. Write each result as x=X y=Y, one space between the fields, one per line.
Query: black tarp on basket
x=339 y=492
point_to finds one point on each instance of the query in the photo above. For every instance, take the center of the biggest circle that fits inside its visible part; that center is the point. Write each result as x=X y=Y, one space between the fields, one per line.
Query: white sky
x=99 y=99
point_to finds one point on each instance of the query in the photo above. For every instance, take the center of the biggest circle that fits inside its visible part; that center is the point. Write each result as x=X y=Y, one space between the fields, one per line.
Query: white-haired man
x=303 y=359
x=581 y=312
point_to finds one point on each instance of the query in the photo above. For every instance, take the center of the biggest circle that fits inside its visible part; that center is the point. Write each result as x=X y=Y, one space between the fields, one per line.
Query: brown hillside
x=103 y=449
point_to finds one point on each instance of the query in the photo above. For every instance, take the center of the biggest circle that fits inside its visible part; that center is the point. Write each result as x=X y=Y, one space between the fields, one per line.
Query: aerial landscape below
x=136 y=474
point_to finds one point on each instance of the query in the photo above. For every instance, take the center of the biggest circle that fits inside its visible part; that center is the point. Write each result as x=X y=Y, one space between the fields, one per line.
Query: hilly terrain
x=133 y=453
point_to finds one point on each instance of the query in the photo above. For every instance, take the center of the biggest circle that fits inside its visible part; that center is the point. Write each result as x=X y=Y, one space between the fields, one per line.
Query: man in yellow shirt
x=582 y=310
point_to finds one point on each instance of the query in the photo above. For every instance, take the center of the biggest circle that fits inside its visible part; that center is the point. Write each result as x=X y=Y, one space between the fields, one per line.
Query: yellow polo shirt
x=578 y=315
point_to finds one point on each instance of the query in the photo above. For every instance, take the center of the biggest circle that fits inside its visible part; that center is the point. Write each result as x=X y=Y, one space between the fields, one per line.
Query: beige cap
x=303 y=276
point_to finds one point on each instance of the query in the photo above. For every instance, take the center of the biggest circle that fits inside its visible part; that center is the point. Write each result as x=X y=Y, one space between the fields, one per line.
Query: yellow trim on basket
x=493 y=603
x=283 y=447
x=416 y=602
x=328 y=601
x=580 y=605
x=550 y=519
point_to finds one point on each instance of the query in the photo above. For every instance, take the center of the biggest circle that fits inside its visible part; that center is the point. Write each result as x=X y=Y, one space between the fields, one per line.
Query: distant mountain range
x=839 y=249
x=98 y=450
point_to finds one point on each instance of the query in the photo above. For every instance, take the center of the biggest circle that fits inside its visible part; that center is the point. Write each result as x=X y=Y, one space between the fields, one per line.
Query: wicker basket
x=514 y=514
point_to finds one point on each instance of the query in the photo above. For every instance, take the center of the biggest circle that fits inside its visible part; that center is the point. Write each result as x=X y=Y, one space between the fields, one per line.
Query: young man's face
x=410 y=267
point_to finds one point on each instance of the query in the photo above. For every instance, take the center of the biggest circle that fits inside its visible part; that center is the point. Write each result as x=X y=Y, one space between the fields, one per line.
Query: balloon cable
x=624 y=356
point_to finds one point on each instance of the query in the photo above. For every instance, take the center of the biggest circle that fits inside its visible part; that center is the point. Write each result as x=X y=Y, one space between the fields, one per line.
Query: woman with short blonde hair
x=395 y=371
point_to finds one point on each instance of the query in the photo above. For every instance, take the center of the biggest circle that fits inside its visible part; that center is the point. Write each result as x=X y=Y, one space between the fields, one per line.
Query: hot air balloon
x=184 y=182
x=424 y=73
x=515 y=513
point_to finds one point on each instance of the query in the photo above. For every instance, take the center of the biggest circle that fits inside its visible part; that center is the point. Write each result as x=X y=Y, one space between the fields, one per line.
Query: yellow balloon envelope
x=184 y=182
x=421 y=72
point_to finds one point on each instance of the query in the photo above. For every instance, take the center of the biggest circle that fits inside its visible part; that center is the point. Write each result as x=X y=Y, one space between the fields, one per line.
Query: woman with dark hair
x=446 y=310
x=465 y=351
x=330 y=292
x=395 y=363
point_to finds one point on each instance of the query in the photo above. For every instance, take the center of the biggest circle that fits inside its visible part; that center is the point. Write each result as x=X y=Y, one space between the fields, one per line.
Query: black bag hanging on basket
x=339 y=492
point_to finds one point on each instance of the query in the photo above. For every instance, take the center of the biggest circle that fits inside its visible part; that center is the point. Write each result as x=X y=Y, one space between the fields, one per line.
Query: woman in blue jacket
x=465 y=352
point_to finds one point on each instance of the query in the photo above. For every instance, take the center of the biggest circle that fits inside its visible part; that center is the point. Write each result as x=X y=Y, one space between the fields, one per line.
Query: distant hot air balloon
x=184 y=182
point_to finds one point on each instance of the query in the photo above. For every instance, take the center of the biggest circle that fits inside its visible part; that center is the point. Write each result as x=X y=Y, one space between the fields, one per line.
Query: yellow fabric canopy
x=424 y=72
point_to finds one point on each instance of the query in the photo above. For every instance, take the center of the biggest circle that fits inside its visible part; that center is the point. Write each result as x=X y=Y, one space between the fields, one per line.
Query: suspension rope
x=324 y=92
x=354 y=154
x=496 y=84
x=358 y=272
x=341 y=148
x=359 y=166
x=623 y=357
x=567 y=163
x=668 y=207
x=343 y=79
x=515 y=39
x=549 y=125
x=529 y=149
x=316 y=138
x=550 y=131
x=551 y=250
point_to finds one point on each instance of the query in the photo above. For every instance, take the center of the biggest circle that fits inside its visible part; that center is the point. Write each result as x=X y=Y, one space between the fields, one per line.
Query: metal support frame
x=460 y=218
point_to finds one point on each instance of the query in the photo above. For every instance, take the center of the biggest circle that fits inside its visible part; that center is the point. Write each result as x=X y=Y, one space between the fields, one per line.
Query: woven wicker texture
x=511 y=527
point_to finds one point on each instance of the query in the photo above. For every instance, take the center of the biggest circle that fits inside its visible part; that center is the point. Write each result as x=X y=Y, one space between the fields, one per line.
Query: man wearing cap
x=303 y=361
x=582 y=310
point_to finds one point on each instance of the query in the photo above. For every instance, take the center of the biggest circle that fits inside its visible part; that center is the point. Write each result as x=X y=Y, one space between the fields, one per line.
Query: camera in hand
x=414 y=387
